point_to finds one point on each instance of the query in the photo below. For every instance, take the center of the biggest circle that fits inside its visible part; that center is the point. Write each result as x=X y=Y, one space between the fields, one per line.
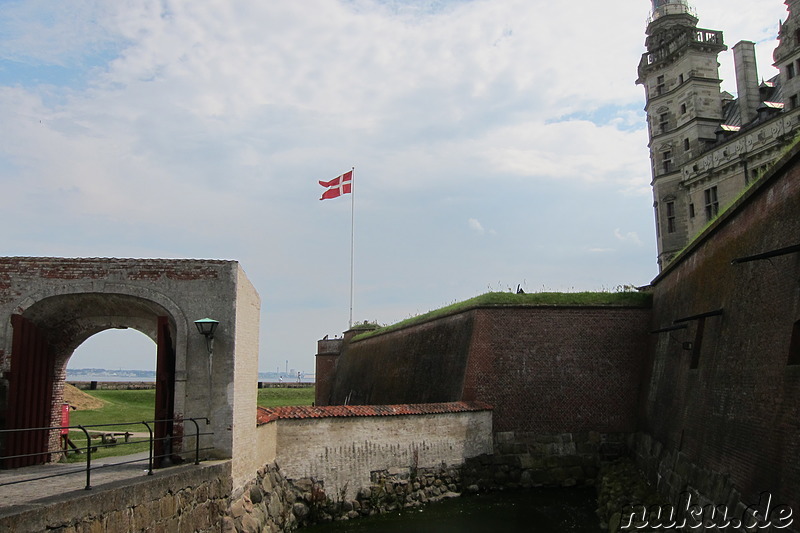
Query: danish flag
x=338 y=186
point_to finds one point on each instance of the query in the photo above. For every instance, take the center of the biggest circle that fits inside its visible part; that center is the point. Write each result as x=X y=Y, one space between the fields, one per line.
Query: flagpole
x=352 y=237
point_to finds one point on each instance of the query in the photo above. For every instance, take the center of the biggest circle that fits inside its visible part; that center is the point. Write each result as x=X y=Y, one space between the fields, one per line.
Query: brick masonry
x=544 y=369
x=71 y=299
x=707 y=404
x=558 y=369
x=729 y=428
x=403 y=366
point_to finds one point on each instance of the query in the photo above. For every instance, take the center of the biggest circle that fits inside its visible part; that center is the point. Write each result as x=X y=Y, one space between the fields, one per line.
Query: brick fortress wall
x=422 y=364
x=543 y=369
x=552 y=370
x=563 y=382
x=727 y=427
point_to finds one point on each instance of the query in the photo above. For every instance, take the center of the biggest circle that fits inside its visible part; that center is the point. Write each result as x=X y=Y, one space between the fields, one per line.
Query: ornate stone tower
x=684 y=109
x=706 y=145
x=787 y=55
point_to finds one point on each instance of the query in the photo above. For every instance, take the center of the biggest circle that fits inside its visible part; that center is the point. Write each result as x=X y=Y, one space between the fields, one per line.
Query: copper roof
x=265 y=415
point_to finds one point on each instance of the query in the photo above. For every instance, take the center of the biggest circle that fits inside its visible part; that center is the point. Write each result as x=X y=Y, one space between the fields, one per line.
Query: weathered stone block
x=142 y=517
x=256 y=496
x=228 y=525
x=118 y=521
x=300 y=510
x=528 y=461
x=237 y=509
x=166 y=506
x=250 y=525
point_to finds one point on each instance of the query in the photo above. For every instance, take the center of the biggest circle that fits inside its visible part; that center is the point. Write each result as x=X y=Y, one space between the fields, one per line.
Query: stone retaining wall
x=272 y=504
x=527 y=459
x=344 y=445
x=265 y=504
x=192 y=499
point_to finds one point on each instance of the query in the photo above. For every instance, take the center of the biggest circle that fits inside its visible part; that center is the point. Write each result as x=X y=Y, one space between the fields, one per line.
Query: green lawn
x=280 y=397
x=123 y=406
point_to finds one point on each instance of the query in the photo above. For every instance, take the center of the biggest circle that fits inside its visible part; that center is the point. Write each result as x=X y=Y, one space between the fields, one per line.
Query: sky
x=495 y=143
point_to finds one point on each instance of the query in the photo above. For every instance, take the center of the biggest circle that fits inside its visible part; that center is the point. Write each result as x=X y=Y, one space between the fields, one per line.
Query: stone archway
x=46 y=334
x=49 y=306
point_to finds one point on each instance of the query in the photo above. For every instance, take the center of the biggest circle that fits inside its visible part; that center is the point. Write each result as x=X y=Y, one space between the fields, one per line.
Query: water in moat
x=529 y=511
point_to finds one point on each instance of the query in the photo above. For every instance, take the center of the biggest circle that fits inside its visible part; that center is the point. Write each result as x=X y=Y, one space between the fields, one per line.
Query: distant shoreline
x=150 y=376
x=145 y=385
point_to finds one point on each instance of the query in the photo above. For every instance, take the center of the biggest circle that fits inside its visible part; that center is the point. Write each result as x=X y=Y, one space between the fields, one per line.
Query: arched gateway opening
x=126 y=351
x=44 y=337
x=50 y=306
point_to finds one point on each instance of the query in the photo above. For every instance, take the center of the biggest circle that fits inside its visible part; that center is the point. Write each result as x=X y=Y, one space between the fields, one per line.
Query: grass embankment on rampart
x=625 y=298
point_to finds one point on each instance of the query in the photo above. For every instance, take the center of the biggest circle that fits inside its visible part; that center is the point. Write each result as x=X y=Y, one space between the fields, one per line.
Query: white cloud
x=631 y=237
x=175 y=119
x=476 y=226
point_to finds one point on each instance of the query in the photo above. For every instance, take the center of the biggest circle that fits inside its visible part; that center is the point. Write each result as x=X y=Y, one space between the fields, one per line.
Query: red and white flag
x=338 y=186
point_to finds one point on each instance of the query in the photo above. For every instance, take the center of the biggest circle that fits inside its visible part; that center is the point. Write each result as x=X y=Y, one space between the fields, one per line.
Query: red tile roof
x=265 y=414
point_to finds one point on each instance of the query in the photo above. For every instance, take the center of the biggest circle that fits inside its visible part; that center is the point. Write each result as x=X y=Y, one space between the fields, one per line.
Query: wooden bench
x=111 y=437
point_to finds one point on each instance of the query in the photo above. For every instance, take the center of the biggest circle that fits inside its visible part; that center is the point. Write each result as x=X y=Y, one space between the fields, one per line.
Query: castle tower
x=787 y=55
x=684 y=107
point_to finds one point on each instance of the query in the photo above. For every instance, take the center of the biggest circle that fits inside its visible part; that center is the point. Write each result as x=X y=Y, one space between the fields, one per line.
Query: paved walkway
x=69 y=478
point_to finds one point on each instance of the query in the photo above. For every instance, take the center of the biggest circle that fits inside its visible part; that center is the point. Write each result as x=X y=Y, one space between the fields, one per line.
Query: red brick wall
x=543 y=369
x=421 y=364
x=557 y=370
x=738 y=412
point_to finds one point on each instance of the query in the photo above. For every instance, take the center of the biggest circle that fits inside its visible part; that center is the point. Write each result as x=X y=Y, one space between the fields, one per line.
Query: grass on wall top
x=589 y=299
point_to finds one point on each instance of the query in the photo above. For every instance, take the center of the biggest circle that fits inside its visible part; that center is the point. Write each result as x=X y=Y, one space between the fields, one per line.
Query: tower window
x=712 y=204
x=660 y=85
x=691 y=210
x=683 y=109
x=686 y=145
x=663 y=122
x=680 y=78
x=793 y=101
x=658 y=225
x=670 y=217
x=666 y=159
x=790 y=71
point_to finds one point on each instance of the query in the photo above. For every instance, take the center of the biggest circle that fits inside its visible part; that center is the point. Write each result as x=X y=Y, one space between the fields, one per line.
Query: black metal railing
x=108 y=440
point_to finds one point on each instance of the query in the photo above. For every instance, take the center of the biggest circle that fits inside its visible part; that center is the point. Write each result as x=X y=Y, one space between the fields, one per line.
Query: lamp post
x=206 y=327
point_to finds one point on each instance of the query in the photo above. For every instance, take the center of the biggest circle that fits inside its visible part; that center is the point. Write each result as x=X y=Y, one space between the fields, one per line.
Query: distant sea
x=108 y=376
x=99 y=374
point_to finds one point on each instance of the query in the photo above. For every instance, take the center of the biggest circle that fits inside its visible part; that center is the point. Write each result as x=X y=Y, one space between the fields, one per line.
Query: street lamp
x=207 y=327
